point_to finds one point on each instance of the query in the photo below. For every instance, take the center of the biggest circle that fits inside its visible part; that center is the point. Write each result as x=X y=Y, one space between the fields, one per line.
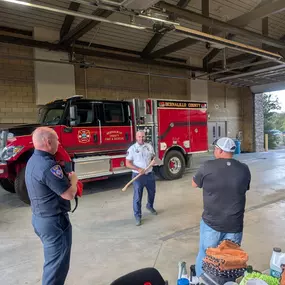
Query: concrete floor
x=107 y=244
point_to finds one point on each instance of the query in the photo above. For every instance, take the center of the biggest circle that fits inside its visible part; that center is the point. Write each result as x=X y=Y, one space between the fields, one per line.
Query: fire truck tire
x=20 y=187
x=7 y=185
x=174 y=165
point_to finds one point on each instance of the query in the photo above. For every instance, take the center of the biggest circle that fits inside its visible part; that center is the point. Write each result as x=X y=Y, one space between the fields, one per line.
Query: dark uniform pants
x=148 y=181
x=56 y=236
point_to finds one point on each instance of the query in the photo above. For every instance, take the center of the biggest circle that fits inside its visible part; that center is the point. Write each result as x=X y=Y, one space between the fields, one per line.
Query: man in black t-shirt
x=224 y=182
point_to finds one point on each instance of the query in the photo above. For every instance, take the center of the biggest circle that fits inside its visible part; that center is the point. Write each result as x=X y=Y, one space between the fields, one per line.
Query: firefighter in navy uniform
x=139 y=156
x=50 y=192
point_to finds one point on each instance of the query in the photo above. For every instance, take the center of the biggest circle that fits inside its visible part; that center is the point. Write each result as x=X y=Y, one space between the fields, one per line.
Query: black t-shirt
x=224 y=183
x=45 y=182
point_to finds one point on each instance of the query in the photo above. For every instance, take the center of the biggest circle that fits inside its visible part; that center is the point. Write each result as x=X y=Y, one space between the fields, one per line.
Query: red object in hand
x=79 y=188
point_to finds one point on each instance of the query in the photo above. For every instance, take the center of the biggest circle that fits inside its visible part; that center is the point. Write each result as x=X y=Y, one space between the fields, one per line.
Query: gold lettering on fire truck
x=176 y=104
x=114 y=136
x=83 y=136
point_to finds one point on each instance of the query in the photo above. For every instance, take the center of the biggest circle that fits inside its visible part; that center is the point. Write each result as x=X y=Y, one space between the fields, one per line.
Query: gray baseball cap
x=225 y=144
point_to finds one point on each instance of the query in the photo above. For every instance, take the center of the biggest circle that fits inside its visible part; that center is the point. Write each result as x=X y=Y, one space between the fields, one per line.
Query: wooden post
x=266 y=142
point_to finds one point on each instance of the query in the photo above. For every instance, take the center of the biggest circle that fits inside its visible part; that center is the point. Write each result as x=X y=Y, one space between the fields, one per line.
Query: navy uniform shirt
x=141 y=155
x=45 y=183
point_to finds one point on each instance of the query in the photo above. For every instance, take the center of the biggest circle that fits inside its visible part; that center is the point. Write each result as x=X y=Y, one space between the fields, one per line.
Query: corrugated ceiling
x=26 y=18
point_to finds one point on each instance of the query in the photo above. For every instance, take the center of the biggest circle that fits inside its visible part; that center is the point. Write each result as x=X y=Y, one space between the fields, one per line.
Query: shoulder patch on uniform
x=57 y=171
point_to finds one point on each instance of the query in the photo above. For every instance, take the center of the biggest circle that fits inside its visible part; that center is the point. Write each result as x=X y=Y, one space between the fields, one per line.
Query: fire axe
x=154 y=162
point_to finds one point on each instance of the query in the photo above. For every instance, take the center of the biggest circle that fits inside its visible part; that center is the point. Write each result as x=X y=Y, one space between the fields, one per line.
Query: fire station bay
x=144 y=97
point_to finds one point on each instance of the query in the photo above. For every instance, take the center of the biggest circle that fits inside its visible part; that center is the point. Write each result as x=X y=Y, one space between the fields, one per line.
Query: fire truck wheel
x=20 y=187
x=7 y=185
x=174 y=165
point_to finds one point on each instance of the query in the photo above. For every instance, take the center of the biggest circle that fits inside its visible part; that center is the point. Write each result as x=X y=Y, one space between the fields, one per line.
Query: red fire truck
x=94 y=136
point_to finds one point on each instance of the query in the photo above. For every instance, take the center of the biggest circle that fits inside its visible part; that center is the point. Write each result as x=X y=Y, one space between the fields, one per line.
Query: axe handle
x=135 y=178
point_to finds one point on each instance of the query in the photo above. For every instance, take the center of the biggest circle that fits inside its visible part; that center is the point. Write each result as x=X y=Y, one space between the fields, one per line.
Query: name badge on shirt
x=57 y=171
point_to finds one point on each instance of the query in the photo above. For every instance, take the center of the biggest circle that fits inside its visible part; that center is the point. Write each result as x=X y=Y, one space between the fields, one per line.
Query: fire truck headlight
x=10 y=151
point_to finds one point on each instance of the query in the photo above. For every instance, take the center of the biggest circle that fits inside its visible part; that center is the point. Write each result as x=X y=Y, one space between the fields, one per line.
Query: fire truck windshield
x=51 y=114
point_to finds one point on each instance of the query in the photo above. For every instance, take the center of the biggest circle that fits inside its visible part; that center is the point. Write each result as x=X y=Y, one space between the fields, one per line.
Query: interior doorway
x=216 y=130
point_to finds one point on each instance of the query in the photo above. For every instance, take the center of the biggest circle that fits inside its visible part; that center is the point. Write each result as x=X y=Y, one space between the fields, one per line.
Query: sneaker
x=138 y=222
x=152 y=210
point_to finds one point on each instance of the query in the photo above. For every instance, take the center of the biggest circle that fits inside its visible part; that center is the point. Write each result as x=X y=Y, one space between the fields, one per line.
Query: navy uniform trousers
x=56 y=236
x=148 y=181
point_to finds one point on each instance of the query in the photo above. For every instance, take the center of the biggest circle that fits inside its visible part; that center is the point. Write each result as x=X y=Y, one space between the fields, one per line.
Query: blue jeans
x=56 y=236
x=148 y=181
x=211 y=238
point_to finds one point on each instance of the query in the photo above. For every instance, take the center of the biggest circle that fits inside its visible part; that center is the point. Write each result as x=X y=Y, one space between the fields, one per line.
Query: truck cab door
x=116 y=126
x=84 y=135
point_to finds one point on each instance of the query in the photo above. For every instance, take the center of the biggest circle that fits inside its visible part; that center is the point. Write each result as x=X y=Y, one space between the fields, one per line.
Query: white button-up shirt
x=141 y=155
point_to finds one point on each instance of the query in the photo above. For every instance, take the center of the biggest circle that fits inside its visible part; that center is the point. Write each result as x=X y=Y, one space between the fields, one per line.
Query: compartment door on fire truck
x=117 y=131
x=85 y=136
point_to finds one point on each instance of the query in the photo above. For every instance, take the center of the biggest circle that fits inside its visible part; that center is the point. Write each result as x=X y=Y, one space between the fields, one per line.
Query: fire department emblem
x=57 y=171
x=84 y=136
x=161 y=104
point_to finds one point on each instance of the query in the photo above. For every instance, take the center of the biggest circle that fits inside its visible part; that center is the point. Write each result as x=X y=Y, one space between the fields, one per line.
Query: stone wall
x=258 y=123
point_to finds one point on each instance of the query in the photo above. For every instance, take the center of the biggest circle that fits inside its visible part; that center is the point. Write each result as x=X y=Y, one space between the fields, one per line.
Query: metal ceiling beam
x=274 y=68
x=232 y=60
x=259 y=12
x=208 y=38
x=93 y=45
x=265 y=31
x=91 y=52
x=84 y=27
x=122 y=50
x=158 y=36
x=219 y=25
x=210 y=22
x=214 y=52
x=68 y=20
x=206 y=13
x=172 y=48
x=16 y=31
x=241 y=21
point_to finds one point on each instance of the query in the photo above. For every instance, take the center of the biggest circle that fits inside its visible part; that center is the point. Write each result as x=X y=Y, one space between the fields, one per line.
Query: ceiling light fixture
x=75 y=14
x=159 y=20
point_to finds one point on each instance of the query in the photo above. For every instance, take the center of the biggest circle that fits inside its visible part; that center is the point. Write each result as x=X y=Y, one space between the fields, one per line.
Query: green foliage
x=272 y=119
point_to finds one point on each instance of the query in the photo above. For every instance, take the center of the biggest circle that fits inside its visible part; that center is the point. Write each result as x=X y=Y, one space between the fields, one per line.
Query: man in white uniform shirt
x=139 y=156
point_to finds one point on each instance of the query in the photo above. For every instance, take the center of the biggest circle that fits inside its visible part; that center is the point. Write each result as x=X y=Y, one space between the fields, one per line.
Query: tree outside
x=274 y=120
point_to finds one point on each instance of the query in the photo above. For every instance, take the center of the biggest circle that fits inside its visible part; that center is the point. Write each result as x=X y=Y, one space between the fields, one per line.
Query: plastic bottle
x=193 y=279
x=277 y=259
x=182 y=271
x=249 y=270
x=182 y=274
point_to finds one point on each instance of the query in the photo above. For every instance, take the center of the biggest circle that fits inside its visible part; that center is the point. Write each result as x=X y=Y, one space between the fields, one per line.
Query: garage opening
x=274 y=118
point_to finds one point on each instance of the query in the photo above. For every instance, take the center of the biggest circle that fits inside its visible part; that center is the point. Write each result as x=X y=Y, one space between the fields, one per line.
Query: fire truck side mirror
x=73 y=115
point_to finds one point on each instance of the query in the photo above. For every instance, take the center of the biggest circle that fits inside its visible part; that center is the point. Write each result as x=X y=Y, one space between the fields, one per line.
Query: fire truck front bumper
x=3 y=170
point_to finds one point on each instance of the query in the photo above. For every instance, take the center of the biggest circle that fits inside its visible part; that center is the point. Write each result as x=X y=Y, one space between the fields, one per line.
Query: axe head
x=157 y=161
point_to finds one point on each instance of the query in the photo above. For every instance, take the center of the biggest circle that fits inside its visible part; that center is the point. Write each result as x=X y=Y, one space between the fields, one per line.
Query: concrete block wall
x=17 y=96
x=235 y=107
x=224 y=105
x=120 y=85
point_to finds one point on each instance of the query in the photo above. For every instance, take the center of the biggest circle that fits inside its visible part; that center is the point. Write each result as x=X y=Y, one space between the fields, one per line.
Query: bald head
x=140 y=137
x=45 y=139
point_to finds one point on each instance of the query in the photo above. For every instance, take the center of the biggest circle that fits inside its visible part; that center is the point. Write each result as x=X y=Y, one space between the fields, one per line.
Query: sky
x=281 y=97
